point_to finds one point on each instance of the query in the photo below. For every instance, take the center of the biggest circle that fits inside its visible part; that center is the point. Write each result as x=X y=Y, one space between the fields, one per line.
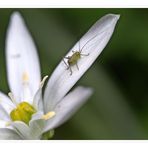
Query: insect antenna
x=87 y=42
x=90 y=40
x=79 y=47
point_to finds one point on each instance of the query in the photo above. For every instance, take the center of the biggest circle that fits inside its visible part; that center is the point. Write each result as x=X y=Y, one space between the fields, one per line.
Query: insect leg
x=67 y=57
x=65 y=63
x=77 y=66
x=70 y=70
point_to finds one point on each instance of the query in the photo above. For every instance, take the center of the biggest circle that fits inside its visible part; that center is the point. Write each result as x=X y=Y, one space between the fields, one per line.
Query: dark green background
x=118 y=108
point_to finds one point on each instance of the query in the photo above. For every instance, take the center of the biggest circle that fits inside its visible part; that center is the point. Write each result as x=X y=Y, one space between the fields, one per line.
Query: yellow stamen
x=23 y=112
x=48 y=115
x=43 y=81
x=25 y=77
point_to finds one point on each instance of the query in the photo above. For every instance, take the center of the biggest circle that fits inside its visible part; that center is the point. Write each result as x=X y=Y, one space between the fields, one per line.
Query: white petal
x=23 y=129
x=6 y=103
x=37 y=101
x=36 y=127
x=68 y=106
x=31 y=132
x=4 y=114
x=4 y=118
x=3 y=124
x=37 y=116
x=22 y=59
x=96 y=38
x=26 y=94
x=8 y=134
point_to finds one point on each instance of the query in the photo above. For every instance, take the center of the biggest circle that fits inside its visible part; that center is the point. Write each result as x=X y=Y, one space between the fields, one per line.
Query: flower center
x=23 y=112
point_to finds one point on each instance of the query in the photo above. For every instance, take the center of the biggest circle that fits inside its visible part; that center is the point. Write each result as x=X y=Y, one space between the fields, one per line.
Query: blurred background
x=118 y=108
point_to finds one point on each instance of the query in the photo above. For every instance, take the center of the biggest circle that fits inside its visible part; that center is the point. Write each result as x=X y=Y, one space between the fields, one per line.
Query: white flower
x=25 y=114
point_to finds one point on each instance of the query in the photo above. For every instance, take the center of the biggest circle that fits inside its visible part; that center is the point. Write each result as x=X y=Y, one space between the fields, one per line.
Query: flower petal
x=8 y=134
x=68 y=106
x=6 y=103
x=37 y=127
x=22 y=128
x=22 y=59
x=31 y=132
x=37 y=101
x=4 y=118
x=37 y=116
x=3 y=114
x=93 y=42
x=3 y=124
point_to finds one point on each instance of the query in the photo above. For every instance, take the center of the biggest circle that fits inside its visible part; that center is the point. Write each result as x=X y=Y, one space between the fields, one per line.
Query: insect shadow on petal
x=76 y=56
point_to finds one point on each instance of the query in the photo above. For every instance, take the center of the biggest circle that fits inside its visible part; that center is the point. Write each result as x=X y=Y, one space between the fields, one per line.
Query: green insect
x=73 y=60
x=75 y=57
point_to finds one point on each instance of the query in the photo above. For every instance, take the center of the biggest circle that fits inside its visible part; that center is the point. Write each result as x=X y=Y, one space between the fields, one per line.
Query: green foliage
x=48 y=135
